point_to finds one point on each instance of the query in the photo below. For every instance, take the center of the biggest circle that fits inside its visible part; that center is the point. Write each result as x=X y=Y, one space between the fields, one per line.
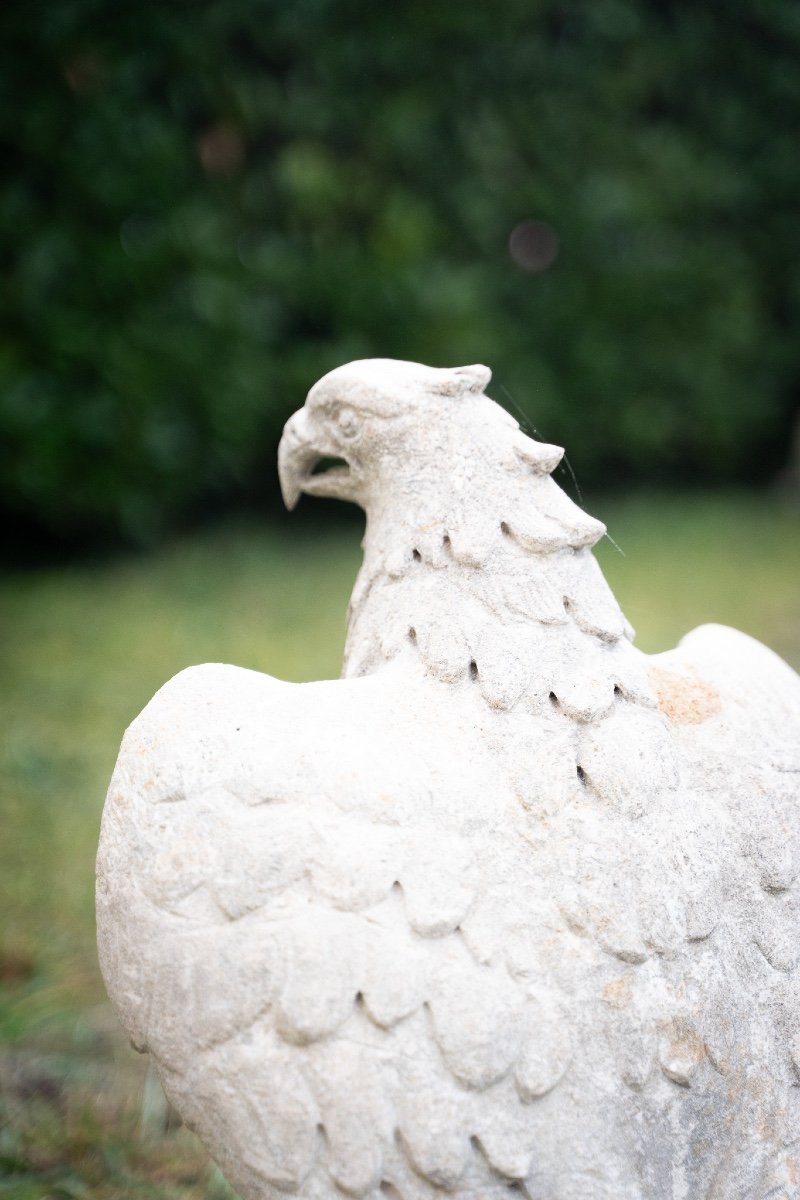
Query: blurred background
x=207 y=205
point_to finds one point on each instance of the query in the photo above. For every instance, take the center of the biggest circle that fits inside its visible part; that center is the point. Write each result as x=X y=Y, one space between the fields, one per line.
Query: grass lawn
x=83 y=649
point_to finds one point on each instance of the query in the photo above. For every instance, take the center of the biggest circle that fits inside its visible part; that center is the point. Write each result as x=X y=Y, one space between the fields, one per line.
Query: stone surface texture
x=510 y=908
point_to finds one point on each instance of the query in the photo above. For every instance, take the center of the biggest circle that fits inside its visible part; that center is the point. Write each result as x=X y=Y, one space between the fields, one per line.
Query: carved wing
x=685 y=869
x=377 y=963
x=280 y=925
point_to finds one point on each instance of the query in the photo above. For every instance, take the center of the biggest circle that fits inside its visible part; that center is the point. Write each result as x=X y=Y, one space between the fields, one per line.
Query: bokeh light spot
x=84 y=73
x=221 y=149
x=533 y=245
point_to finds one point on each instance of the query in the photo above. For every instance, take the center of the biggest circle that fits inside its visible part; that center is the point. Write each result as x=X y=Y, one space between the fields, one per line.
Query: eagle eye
x=347 y=422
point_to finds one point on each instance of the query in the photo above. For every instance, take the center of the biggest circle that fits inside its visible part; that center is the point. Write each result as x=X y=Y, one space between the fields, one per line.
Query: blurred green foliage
x=209 y=204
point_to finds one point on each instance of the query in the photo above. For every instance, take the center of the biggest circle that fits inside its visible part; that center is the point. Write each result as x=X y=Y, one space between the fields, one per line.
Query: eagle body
x=511 y=908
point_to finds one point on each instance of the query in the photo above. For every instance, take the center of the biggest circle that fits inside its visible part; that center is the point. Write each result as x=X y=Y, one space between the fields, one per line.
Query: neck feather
x=517 y=606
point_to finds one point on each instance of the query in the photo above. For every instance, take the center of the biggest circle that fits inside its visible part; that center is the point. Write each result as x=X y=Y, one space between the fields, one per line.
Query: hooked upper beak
x=299 y=452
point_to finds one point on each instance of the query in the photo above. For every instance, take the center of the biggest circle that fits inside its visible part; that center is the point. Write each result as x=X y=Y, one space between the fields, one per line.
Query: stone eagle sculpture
x=512 y=908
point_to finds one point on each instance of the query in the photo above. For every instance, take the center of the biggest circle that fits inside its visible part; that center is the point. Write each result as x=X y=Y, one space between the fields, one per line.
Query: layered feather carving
x=492 y=915
x=464 y=971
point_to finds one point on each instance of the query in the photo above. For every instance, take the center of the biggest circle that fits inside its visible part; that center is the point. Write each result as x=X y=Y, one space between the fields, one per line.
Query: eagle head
x=371 y=417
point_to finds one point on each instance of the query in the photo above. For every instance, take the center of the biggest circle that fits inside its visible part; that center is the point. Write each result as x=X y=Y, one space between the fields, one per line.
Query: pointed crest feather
x=543 y=457
x=461 y=381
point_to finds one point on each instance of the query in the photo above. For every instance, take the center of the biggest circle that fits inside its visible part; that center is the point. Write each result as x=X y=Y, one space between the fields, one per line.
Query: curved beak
x=296 y=458
x=300 y=451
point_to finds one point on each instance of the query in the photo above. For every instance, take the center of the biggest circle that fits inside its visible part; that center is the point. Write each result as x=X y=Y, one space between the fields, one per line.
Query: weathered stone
x=509 y=908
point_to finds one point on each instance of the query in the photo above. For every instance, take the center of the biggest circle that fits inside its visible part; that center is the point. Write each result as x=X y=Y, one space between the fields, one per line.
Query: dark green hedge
x=210 y=203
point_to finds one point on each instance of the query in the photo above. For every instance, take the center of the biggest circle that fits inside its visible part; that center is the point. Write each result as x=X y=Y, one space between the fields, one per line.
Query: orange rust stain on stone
x=688 y=1048
x=617 y=992
x=792 y=1172
x=684 y=699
